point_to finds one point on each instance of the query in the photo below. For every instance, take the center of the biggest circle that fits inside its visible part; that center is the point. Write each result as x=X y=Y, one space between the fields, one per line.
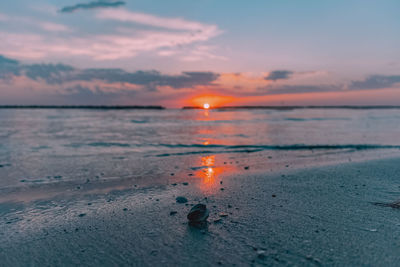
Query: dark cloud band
x=60 y=73
x=91 y=5
x=279 y=75
x=375 y=82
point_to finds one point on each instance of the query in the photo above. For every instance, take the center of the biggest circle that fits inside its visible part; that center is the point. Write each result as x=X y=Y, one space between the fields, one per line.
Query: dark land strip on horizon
x=76 y=107
x=295 y=107
x=189 y=107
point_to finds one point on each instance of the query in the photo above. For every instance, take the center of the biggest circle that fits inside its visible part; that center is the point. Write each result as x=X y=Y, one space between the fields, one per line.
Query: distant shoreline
x=297 y=107
x=78 y=107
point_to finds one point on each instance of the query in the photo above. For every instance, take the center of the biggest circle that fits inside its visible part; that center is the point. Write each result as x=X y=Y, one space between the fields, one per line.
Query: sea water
x=54 y=150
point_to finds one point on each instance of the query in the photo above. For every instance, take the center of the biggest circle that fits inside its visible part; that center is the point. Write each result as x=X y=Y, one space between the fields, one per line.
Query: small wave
x=139 y=121
x=258 y=148
x=286 y=147
x=209 y=152
x=98 y=144
x=102 y=144
x=316 y=119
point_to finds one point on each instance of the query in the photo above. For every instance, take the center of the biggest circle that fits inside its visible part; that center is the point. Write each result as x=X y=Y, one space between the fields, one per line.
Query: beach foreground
x=309 y=216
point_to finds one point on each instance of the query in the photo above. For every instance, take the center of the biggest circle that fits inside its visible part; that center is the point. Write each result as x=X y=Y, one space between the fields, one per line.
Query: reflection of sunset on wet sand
x=210 y=173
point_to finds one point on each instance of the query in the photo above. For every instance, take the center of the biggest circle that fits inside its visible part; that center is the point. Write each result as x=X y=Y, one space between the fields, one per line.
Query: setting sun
x=206 y=106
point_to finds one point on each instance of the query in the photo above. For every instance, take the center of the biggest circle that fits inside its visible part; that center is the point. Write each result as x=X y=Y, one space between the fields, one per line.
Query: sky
x=179 y=52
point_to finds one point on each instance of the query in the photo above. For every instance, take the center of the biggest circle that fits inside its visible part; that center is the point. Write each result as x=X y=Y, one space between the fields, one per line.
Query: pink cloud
x=165 y=34
x=155 y=21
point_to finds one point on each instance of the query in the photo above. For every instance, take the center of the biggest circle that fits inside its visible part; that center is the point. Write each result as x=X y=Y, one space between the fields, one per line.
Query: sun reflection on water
x=211 y=168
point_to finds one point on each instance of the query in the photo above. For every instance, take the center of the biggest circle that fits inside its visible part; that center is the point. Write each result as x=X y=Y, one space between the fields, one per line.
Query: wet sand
x=309 y=216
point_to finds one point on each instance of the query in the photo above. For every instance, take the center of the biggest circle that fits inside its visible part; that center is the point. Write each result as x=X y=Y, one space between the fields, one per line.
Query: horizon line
x=159 y=107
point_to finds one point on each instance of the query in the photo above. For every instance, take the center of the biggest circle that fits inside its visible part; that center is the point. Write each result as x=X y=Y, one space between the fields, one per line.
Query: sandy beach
x=307 y=216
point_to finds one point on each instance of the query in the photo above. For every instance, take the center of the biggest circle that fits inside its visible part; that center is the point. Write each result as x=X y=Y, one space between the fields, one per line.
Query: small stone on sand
x=181 y=200
x=173 y=213
x=261 y=254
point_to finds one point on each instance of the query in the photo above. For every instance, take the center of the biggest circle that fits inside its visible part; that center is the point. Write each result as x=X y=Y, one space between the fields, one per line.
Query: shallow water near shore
x=151 y=147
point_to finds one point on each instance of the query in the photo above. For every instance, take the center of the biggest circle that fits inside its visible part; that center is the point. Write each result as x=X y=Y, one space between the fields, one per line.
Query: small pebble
x=173 y=213
x=261 y=254
x=246 y=168
x=185 y=183
x=181 y=200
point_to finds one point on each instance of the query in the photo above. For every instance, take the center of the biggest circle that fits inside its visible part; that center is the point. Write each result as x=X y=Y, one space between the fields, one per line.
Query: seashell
x=199 y=213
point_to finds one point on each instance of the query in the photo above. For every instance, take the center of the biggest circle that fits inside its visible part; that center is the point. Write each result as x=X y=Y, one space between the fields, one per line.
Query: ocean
x=43 y=152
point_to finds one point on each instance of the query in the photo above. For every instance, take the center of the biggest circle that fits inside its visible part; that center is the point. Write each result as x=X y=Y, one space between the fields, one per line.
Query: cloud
x=59 y=74
x=92 y=5
x=5 y=61
x=279 y=75
x=51 y=73
x=375 y=82
x=372 y=82
x=299 y=89
x=8 y=68
x=156 y=21
x=130 y=34
x=53 y=27
x=150 y=80
x=25 y=22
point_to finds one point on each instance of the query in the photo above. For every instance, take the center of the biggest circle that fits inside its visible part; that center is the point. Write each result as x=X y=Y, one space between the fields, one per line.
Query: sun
x=206 y=106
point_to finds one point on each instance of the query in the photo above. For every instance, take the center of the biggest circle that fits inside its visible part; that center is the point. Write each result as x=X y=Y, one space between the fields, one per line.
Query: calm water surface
x=114 y=149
